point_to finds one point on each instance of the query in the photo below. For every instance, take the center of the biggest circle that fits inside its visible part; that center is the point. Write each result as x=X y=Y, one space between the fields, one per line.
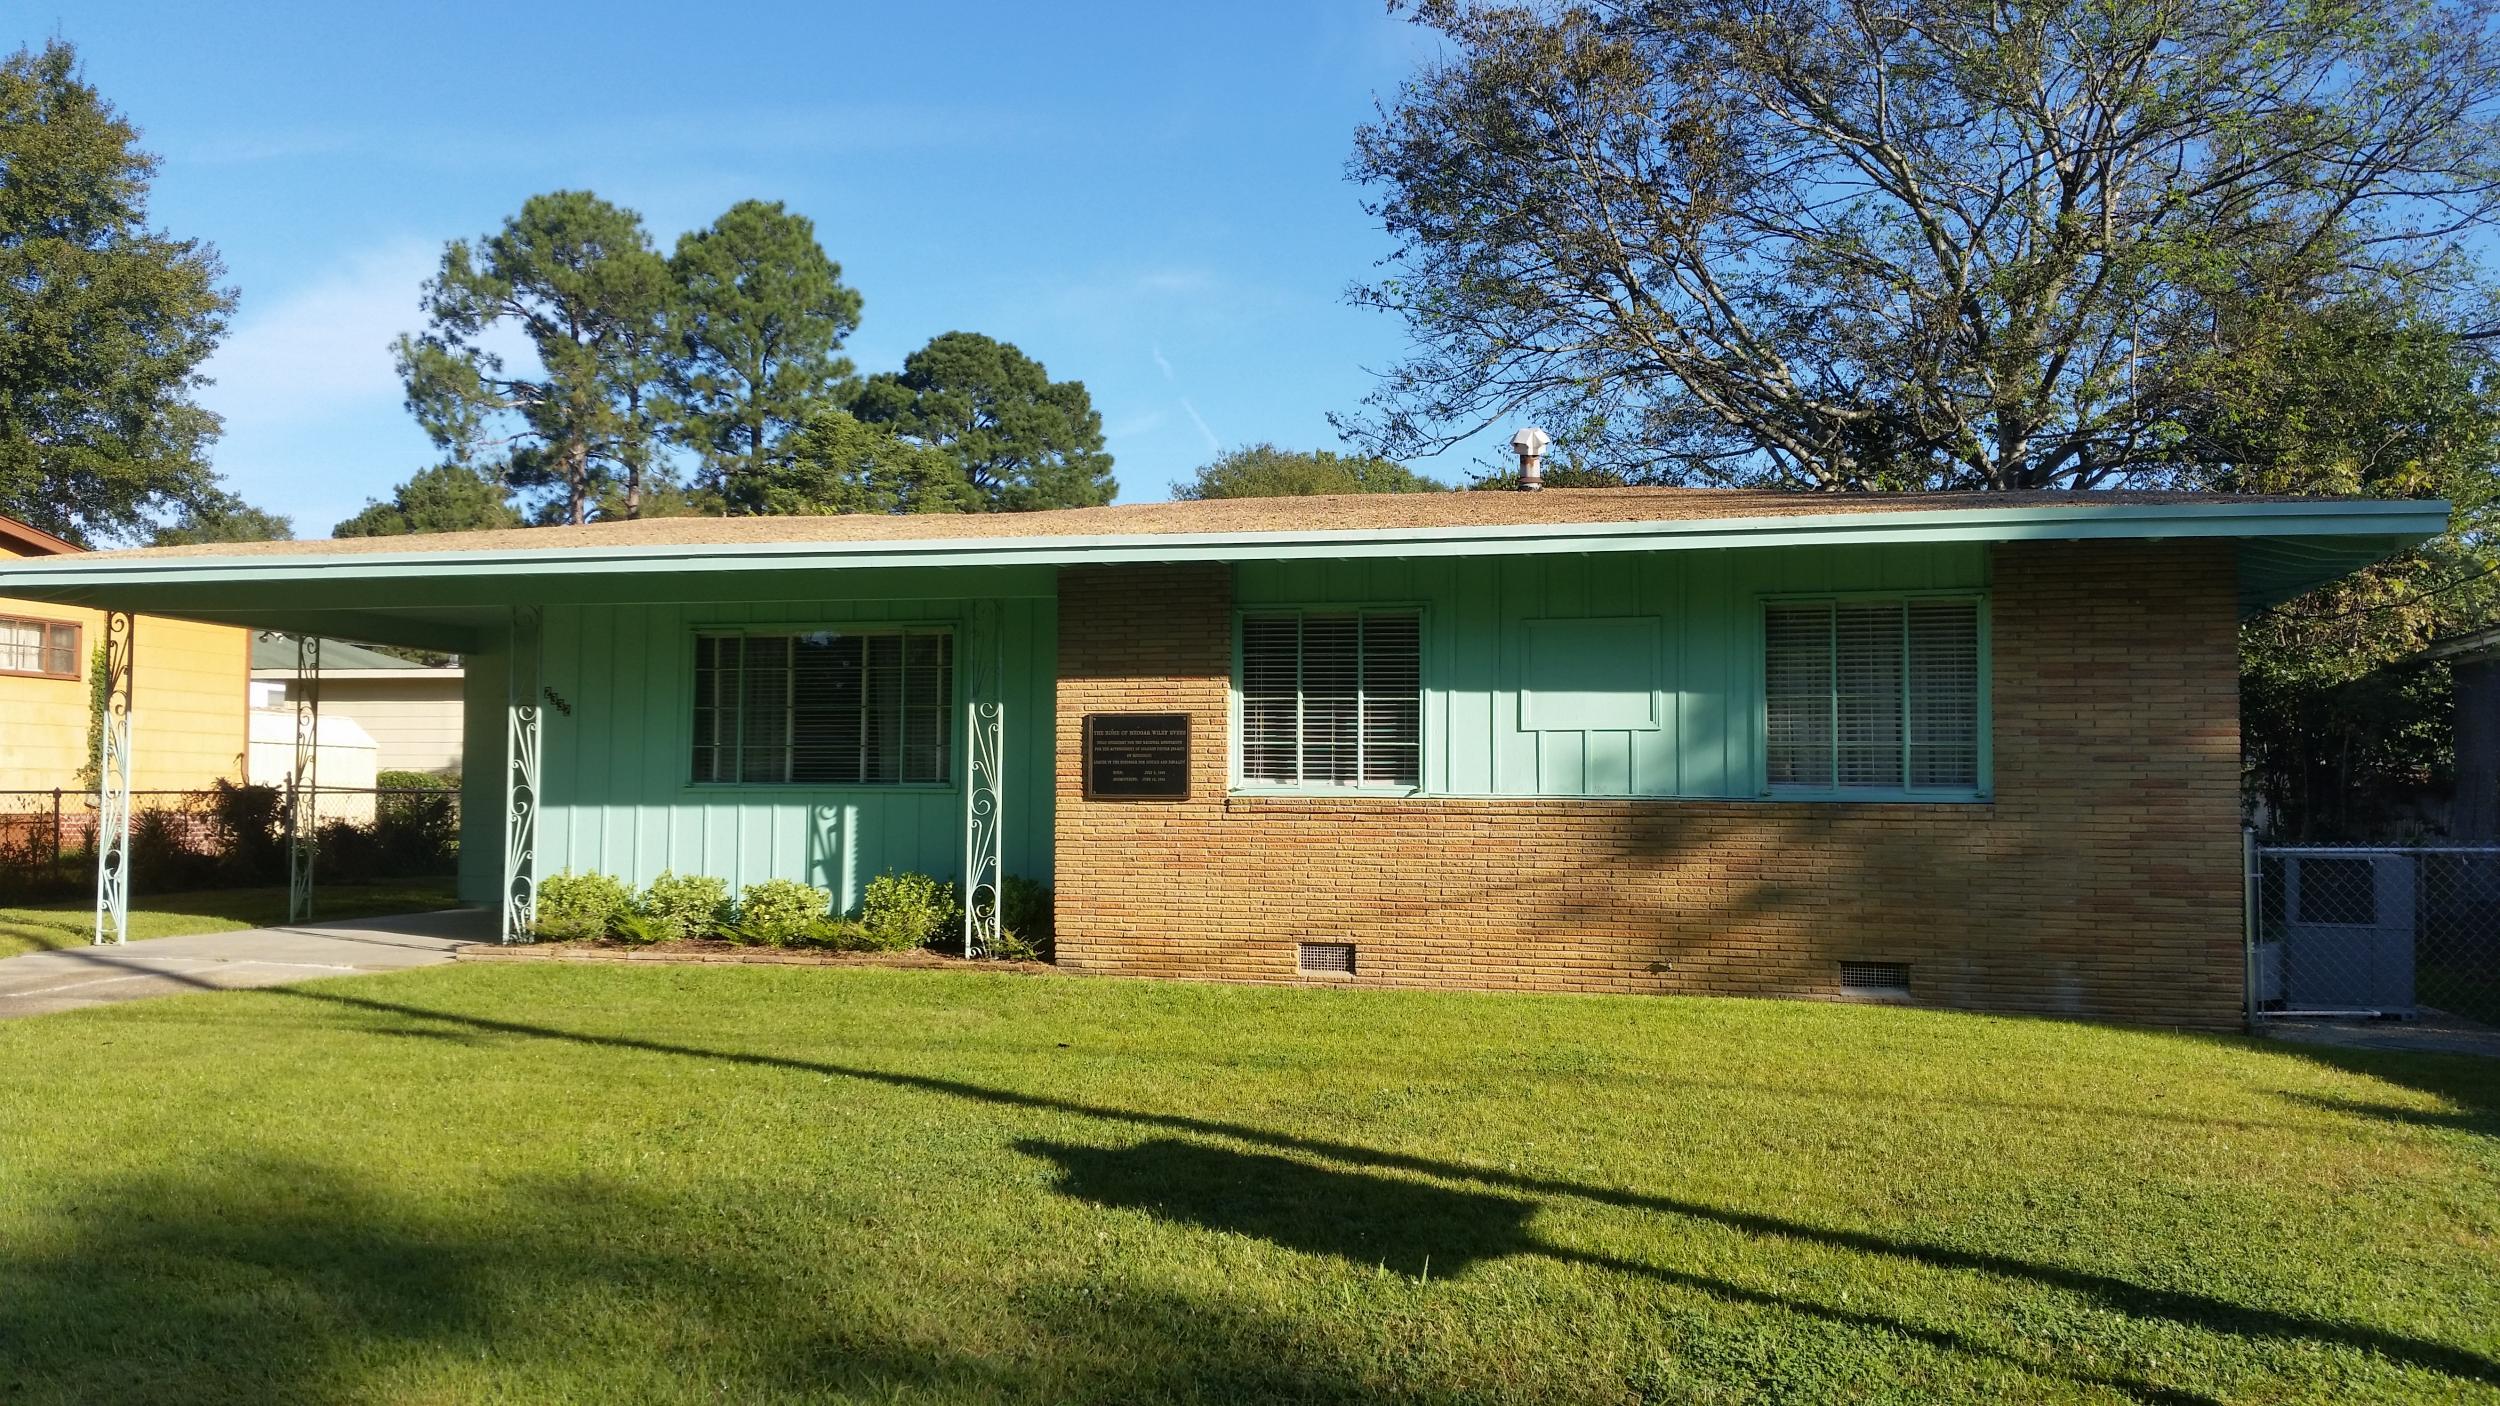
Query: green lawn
x=600 y=1184
x=70 y=922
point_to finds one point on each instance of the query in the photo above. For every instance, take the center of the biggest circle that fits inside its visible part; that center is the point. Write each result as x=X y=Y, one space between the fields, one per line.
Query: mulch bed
x=715 y=952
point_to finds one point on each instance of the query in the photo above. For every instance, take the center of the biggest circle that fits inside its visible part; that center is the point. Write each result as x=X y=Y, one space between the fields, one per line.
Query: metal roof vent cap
x=1529 y=444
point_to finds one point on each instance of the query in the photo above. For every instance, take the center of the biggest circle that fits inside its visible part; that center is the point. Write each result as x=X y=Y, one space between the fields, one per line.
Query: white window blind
x=825 y=708
x=1872 y=695
x=1332 y=698
x=39 y=647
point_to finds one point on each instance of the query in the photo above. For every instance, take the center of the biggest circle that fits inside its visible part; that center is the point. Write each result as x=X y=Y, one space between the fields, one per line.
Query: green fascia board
x=2360 y=530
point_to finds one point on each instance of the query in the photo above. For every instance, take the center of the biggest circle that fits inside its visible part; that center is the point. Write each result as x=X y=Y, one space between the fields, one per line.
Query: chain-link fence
x=234 y=835
x=2397 y=931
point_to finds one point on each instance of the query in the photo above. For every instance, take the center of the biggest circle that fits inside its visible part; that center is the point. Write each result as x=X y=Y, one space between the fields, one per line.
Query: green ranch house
x=1968 y=751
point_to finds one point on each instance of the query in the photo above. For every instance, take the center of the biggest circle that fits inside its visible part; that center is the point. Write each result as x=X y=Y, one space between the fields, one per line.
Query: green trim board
x=2287 y=547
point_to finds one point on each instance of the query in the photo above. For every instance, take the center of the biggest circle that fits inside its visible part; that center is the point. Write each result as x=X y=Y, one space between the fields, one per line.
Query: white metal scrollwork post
x=985 y=754
x=520 y=781
x=112 y=780
x=303 y=812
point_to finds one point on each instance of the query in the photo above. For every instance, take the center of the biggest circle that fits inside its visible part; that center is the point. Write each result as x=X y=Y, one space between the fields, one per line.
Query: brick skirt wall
x=2102 y=880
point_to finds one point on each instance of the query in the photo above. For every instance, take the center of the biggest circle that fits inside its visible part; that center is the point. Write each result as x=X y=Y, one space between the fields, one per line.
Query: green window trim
x=1359 y=730
x=917 y=756
x=1832 y=722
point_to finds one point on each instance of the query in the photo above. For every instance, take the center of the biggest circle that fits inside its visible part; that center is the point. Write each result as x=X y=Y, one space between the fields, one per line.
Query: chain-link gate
x=2385 y=931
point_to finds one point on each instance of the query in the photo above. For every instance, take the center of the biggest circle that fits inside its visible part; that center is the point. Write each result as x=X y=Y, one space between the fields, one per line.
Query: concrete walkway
x=72 y=977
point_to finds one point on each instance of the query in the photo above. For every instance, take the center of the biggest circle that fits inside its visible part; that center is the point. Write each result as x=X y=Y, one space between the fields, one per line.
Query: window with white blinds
x=1332 y=698
x=1872 y=695
x=39 y=647
x=825 y=708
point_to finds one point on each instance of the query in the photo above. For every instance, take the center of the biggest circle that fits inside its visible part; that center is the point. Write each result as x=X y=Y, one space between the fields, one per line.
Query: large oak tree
x=1923 y=243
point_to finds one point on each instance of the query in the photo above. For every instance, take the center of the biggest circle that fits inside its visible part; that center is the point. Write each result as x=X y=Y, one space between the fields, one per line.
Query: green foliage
x=220 y=516
x=836 y=464
x=104 y=322
x=780 y=912
x=1928 y=245
x=761 y=313
x=1265 y=471
x=581 y=907
x=1022 y=440
x=685 y=905
x=417 y=781
x=637 y=929
x=449 y=497
x=249 y=824
x=97 y=702
x=1552 y=475
x=1027 y=912
x=903 y=911
x=2344 y=731
x=578 y=278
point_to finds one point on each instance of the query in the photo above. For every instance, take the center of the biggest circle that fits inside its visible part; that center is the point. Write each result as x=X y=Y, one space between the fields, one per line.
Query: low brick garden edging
x=729 y=954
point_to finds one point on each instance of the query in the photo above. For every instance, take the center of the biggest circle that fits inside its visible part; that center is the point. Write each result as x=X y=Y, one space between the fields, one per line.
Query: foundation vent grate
x=1875 y=978
x=1327 y=958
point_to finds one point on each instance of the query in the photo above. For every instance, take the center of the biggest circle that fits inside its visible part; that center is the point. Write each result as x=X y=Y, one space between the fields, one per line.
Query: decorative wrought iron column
x=520 y=779
x=985 y=778
x=112 y=780
x=303 y=812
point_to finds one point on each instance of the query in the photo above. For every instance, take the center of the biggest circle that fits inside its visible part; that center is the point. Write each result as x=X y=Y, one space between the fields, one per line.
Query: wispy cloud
x=1214 y=445
x=323 y=346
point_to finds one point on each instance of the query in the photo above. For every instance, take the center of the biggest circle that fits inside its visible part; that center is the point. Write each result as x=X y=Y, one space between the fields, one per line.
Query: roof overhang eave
x=2395 y=521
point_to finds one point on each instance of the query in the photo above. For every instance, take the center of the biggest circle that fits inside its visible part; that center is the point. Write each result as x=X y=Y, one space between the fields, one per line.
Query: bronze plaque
x=1137 y=756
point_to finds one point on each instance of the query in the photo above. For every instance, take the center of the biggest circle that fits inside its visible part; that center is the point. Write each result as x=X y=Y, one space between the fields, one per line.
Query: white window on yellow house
x=48 y=648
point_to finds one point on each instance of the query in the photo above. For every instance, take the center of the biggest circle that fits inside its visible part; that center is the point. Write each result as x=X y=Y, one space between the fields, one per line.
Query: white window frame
x=1984 y=788
x=1240 y=785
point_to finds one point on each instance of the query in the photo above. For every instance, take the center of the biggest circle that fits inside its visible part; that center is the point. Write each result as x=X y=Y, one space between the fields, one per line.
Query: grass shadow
x=2185 y=1307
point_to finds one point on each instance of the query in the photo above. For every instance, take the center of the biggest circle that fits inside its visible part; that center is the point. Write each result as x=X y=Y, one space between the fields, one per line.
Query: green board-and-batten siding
x=618 y=793
x=1484 y=732
x=1502 y=699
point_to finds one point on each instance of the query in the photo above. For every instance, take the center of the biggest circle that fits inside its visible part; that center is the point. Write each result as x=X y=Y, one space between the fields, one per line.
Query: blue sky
x=1149 y=198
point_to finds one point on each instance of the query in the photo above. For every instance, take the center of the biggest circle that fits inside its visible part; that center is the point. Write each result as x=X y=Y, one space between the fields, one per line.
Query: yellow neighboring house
x=191 y=705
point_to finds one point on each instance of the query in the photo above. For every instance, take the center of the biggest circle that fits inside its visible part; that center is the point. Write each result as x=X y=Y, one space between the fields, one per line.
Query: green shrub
x=1025 y=909
x=1013 y=946
x=685 y=905
x=838 y=934
x=780 y=912
x=903 y=911
x=250 y=825
x=641 y=930
x=417 y=781
x=581 y=907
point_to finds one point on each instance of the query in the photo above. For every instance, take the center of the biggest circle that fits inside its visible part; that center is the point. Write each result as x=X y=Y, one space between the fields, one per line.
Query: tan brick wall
x=2101 y=881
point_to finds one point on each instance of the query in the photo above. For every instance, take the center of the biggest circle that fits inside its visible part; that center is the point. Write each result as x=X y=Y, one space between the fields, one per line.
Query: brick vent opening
x=1875 y=978
x=1327 y=958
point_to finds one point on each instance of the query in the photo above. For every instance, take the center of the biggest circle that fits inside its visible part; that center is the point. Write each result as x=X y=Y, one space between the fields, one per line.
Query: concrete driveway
x=41 y=982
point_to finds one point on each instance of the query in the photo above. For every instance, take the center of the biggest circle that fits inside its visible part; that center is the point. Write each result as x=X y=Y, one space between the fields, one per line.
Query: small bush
x=685 y=905
x=903 y=911
x=415 y=835
x=780 y=912
x=162 y=853
x=1025 y=908
x=581 y=907
x=641 y=930
x=838 y=934
x=250 y=825
x=1013 y=946
x=417 y=781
